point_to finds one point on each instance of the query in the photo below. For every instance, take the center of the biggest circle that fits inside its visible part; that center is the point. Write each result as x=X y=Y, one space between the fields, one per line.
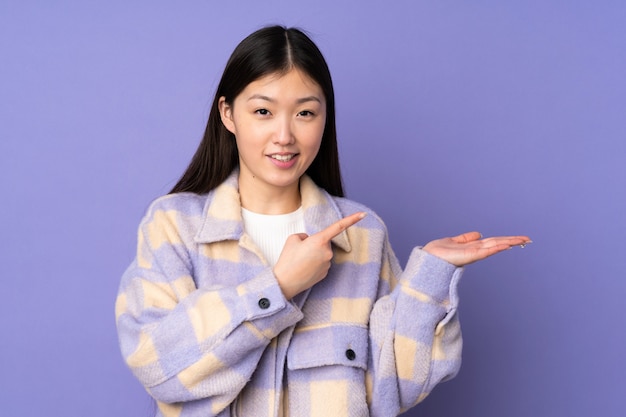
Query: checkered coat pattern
x=204 y=326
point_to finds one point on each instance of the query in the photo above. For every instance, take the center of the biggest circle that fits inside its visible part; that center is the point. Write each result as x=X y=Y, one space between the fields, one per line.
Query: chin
x=285 y=180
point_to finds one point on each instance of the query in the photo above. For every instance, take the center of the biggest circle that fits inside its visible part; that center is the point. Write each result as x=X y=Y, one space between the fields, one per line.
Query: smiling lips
x=283 y=157
x=285 y=160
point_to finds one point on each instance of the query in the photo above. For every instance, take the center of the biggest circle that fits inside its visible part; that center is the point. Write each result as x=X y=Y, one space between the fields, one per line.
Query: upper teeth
x=283 y=158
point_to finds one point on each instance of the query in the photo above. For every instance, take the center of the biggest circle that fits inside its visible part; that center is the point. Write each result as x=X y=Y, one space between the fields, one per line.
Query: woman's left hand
x=471 y=247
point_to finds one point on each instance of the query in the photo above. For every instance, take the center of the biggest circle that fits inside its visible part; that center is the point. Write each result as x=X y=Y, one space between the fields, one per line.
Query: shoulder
x=176 y=211
x=184 y=203
x=174 y=218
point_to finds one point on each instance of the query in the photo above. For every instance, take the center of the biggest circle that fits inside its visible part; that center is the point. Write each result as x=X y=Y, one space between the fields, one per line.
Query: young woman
x=258 y=290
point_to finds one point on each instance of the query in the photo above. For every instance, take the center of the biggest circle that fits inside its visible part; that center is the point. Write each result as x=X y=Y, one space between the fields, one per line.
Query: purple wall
x=505 y=117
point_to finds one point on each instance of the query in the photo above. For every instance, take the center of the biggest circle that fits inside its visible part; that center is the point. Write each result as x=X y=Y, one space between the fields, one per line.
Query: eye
x=306 y=113
x=262 y=112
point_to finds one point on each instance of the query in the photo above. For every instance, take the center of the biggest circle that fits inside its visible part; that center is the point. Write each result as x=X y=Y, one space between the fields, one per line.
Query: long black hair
x=271 y=50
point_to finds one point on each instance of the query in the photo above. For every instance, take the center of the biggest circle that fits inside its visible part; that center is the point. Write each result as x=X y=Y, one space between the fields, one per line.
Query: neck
x=264 y=199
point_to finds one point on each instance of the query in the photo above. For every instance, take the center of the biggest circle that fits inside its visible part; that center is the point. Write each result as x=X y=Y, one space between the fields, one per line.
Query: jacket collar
x=223 y=221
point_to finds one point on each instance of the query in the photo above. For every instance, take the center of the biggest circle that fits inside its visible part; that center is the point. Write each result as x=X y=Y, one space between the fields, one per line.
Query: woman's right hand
x=305 y=260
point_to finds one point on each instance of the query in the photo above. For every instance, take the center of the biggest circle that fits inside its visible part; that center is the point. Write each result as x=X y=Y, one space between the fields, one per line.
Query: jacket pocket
x=336 y=344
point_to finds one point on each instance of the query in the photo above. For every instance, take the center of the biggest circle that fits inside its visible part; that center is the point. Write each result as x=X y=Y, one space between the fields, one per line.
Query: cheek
x=314 y=136
x=312 y=145
x=248 y=138
x=245 y=147
x=318 y=141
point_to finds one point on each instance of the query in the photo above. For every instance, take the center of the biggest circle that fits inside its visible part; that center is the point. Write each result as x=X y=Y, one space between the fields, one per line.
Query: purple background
x=505 y=117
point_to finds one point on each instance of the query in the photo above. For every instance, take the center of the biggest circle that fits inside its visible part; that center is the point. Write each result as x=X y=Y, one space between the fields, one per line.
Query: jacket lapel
x=223 y=221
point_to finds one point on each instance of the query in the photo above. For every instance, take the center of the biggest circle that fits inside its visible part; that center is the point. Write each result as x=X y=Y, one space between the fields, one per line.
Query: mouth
x=283 y=157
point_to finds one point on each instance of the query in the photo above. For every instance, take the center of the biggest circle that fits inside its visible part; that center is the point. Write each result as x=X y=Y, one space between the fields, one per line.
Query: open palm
x=471 y=247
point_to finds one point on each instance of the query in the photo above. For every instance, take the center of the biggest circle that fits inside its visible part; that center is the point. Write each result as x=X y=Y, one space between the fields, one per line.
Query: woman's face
x=278 y=122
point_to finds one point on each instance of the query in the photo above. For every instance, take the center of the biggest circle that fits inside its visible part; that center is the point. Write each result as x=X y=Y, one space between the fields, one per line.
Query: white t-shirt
x=270 y=231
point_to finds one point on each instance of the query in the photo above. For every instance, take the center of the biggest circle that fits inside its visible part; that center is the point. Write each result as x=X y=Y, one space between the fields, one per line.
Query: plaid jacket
x=205 y=327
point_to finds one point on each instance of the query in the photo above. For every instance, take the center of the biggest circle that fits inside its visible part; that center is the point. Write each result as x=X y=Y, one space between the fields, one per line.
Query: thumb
x=297 y=237
x=467 y=237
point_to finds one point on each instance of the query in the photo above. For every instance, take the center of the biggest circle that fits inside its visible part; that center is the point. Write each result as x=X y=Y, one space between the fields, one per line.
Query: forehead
x=292 y=83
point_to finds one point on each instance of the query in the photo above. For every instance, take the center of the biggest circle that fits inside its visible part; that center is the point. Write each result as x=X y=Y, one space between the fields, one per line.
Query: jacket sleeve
x=184 y=343
x=415 y=335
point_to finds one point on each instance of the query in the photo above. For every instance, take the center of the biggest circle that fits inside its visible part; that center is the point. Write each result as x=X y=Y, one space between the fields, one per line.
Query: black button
x=264 y=303
x=350 y=354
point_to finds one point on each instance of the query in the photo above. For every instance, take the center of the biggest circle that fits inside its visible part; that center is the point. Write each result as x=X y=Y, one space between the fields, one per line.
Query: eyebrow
x=271 y=100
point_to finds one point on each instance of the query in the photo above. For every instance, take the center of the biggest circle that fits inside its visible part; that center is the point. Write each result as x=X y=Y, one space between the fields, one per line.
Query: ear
x=226 y=114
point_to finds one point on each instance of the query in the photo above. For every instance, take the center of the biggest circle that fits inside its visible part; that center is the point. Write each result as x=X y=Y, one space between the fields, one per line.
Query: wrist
x=288 y=291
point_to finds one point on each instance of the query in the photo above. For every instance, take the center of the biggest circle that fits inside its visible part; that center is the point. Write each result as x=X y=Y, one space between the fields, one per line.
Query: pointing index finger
x=341 y=225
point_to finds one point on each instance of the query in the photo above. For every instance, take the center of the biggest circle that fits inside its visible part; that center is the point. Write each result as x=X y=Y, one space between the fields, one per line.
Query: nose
x=284 y=133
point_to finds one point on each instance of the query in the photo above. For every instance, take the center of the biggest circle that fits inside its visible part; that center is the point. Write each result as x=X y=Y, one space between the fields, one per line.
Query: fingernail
x=362 y=215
